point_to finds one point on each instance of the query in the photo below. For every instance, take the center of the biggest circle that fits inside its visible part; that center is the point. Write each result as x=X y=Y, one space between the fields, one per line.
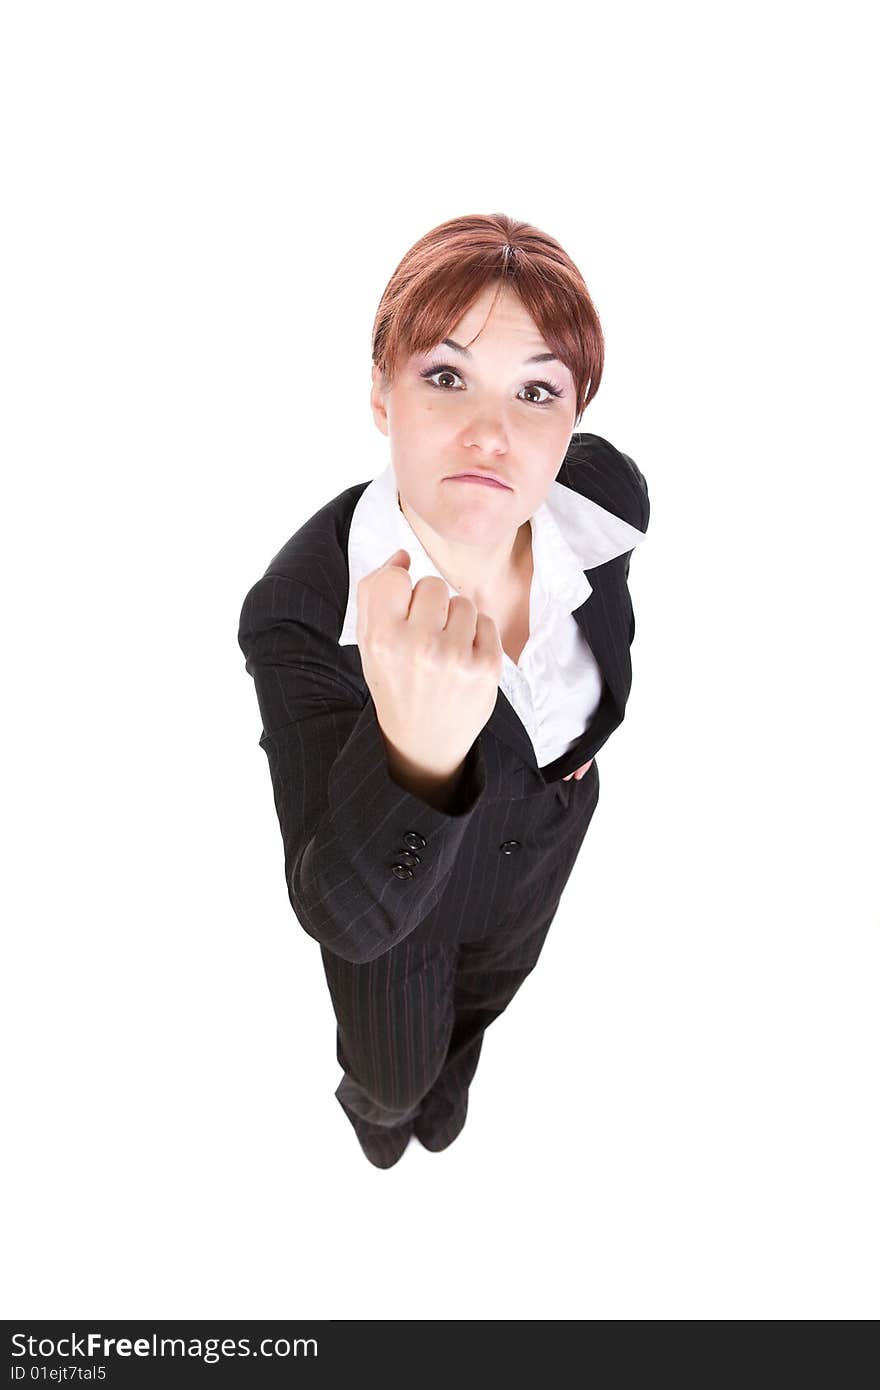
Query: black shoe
x=384 y=1150
x=441 y=1137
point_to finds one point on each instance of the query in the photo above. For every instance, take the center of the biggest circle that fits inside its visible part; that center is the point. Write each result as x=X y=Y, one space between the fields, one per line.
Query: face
x=488 y=409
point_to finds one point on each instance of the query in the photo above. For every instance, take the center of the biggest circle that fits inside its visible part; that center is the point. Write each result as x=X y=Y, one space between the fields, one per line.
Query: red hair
x=445 y=271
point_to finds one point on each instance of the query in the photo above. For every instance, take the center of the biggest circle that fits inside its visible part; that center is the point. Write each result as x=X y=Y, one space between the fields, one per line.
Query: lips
x=487 y=480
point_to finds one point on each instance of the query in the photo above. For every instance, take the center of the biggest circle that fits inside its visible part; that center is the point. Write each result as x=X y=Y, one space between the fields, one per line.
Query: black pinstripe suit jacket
x=365 y=860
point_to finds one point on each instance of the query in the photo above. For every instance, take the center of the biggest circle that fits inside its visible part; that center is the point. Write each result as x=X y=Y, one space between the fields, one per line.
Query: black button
x=413 y=840
x=407 y=858
x=509 y=846
x=401 y=871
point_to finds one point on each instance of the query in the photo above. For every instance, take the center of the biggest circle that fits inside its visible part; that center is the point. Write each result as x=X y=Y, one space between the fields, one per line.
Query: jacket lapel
x=604 y=619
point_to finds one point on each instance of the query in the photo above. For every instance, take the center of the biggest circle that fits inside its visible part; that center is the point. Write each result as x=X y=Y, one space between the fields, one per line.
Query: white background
x=677 y=1117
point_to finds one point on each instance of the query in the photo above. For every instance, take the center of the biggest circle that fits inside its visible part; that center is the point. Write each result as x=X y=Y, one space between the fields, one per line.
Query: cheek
x=540 y=485
x=415 y=412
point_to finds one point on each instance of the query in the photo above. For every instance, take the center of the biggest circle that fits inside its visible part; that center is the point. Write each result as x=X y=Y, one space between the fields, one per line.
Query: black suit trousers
x=411 y=1022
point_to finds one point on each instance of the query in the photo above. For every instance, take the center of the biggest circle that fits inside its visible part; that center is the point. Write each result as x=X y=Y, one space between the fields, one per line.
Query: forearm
x=354 y=882
x=440 y=792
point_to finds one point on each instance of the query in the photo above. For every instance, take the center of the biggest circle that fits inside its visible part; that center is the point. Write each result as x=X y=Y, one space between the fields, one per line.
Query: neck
x=480 y=573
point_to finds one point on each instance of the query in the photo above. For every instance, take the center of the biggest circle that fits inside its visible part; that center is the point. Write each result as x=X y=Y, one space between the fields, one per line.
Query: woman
x=438 y=658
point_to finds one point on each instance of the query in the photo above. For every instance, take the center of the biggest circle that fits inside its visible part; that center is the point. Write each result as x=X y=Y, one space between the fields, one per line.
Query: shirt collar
x=570 y=534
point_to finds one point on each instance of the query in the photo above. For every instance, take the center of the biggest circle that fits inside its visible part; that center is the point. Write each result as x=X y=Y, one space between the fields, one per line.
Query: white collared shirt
x=556 y=685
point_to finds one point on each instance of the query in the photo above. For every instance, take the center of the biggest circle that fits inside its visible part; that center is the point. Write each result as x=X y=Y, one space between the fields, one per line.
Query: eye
x=553 y=393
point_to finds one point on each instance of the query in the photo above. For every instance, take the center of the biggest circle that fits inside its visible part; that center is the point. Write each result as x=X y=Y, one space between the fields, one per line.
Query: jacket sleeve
x=365 y=860
x=645 y=503
x=639 y=484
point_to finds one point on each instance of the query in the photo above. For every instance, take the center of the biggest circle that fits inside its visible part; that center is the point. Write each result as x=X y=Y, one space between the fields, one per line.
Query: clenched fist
x=432 y=664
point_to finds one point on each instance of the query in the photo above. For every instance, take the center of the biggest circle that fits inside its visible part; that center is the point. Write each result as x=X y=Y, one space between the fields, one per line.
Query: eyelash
x=544 y=385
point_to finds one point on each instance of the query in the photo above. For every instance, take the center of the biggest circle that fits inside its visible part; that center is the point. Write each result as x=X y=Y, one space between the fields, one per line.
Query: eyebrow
x=539 y=357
